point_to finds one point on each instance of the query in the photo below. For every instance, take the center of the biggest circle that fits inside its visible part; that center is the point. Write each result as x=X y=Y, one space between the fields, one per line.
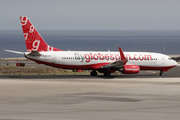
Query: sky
x=91 y=14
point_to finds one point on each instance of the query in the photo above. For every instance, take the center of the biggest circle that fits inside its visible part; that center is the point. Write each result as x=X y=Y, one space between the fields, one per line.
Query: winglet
x=122 y=54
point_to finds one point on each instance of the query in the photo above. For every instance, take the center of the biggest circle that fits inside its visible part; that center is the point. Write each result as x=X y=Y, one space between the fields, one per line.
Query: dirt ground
x=18 y=70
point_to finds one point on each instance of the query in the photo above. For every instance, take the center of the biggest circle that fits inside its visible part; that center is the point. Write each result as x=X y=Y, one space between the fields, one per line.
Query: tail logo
x=31 y=29
x=35 y=45
x=34 y=41
x=24 y=20
x=49 y=48
x=25 y=36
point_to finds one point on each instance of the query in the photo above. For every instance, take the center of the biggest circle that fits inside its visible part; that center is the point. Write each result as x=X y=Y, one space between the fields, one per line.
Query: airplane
x=105 y=62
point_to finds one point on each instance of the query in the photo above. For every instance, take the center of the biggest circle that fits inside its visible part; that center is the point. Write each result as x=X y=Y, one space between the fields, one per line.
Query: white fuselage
x=90 y=60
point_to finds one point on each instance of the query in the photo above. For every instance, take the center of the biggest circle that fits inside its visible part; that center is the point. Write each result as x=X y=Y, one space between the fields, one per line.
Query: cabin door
x=163 y=61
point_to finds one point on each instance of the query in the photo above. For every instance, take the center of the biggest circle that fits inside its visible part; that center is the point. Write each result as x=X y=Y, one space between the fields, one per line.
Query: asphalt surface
x=145 y=96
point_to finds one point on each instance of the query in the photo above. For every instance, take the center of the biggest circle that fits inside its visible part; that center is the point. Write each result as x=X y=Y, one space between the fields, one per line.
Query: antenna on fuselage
x=163 y=50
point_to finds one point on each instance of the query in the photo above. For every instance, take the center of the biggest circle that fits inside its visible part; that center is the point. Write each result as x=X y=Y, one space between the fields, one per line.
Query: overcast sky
x=92 y=14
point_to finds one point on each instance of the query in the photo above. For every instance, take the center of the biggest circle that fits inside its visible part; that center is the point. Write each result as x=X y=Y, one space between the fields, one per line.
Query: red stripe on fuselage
x=156 y=68
x=80 y=67
x=95 y=66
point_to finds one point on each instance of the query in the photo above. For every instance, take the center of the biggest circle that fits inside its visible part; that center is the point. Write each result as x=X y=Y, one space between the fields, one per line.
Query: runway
x=172 y=73
x=125 y=97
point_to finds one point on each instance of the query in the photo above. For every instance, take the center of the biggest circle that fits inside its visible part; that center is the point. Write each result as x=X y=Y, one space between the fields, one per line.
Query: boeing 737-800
x=104 y=62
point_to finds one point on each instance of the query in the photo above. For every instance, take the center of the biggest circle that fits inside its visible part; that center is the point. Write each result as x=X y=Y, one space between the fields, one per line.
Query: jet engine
x=130 y=69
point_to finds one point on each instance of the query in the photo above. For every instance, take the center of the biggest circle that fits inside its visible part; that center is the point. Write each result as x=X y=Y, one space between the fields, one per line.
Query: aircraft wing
x=119 y=63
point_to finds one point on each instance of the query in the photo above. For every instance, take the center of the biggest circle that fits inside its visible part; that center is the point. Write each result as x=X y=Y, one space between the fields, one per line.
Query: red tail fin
x=34 y=41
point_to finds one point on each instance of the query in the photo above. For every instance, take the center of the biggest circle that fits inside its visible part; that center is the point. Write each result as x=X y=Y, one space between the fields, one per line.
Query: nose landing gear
x=161 y=73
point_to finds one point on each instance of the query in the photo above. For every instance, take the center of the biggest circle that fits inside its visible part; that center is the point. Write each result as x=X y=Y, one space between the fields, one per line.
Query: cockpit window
x=169 y=58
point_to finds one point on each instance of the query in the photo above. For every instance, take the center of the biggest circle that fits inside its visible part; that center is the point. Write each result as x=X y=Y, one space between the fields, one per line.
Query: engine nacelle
x=130 y=69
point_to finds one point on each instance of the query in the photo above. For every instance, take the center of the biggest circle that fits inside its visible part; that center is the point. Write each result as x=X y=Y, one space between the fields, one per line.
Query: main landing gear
x=93 y=73
x=161 y=73
x=107 y=74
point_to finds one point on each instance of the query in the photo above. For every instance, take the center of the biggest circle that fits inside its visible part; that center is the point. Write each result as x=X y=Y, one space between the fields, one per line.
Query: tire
x=161 y=73
x=93 y=73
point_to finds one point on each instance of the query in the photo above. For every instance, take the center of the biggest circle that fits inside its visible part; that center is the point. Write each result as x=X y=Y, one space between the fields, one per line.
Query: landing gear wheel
x=107 y=74
x=161 y=73
x=93 y=73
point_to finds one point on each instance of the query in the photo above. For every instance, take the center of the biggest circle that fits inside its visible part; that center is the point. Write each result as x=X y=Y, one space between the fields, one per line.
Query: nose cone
x=174 y=63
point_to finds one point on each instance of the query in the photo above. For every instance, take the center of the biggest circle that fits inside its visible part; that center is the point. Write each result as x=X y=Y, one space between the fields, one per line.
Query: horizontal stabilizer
x=34 y=53
x=17 y=52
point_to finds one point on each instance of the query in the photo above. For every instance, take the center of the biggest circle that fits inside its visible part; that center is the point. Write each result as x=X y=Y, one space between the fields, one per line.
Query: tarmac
x=144 y=96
